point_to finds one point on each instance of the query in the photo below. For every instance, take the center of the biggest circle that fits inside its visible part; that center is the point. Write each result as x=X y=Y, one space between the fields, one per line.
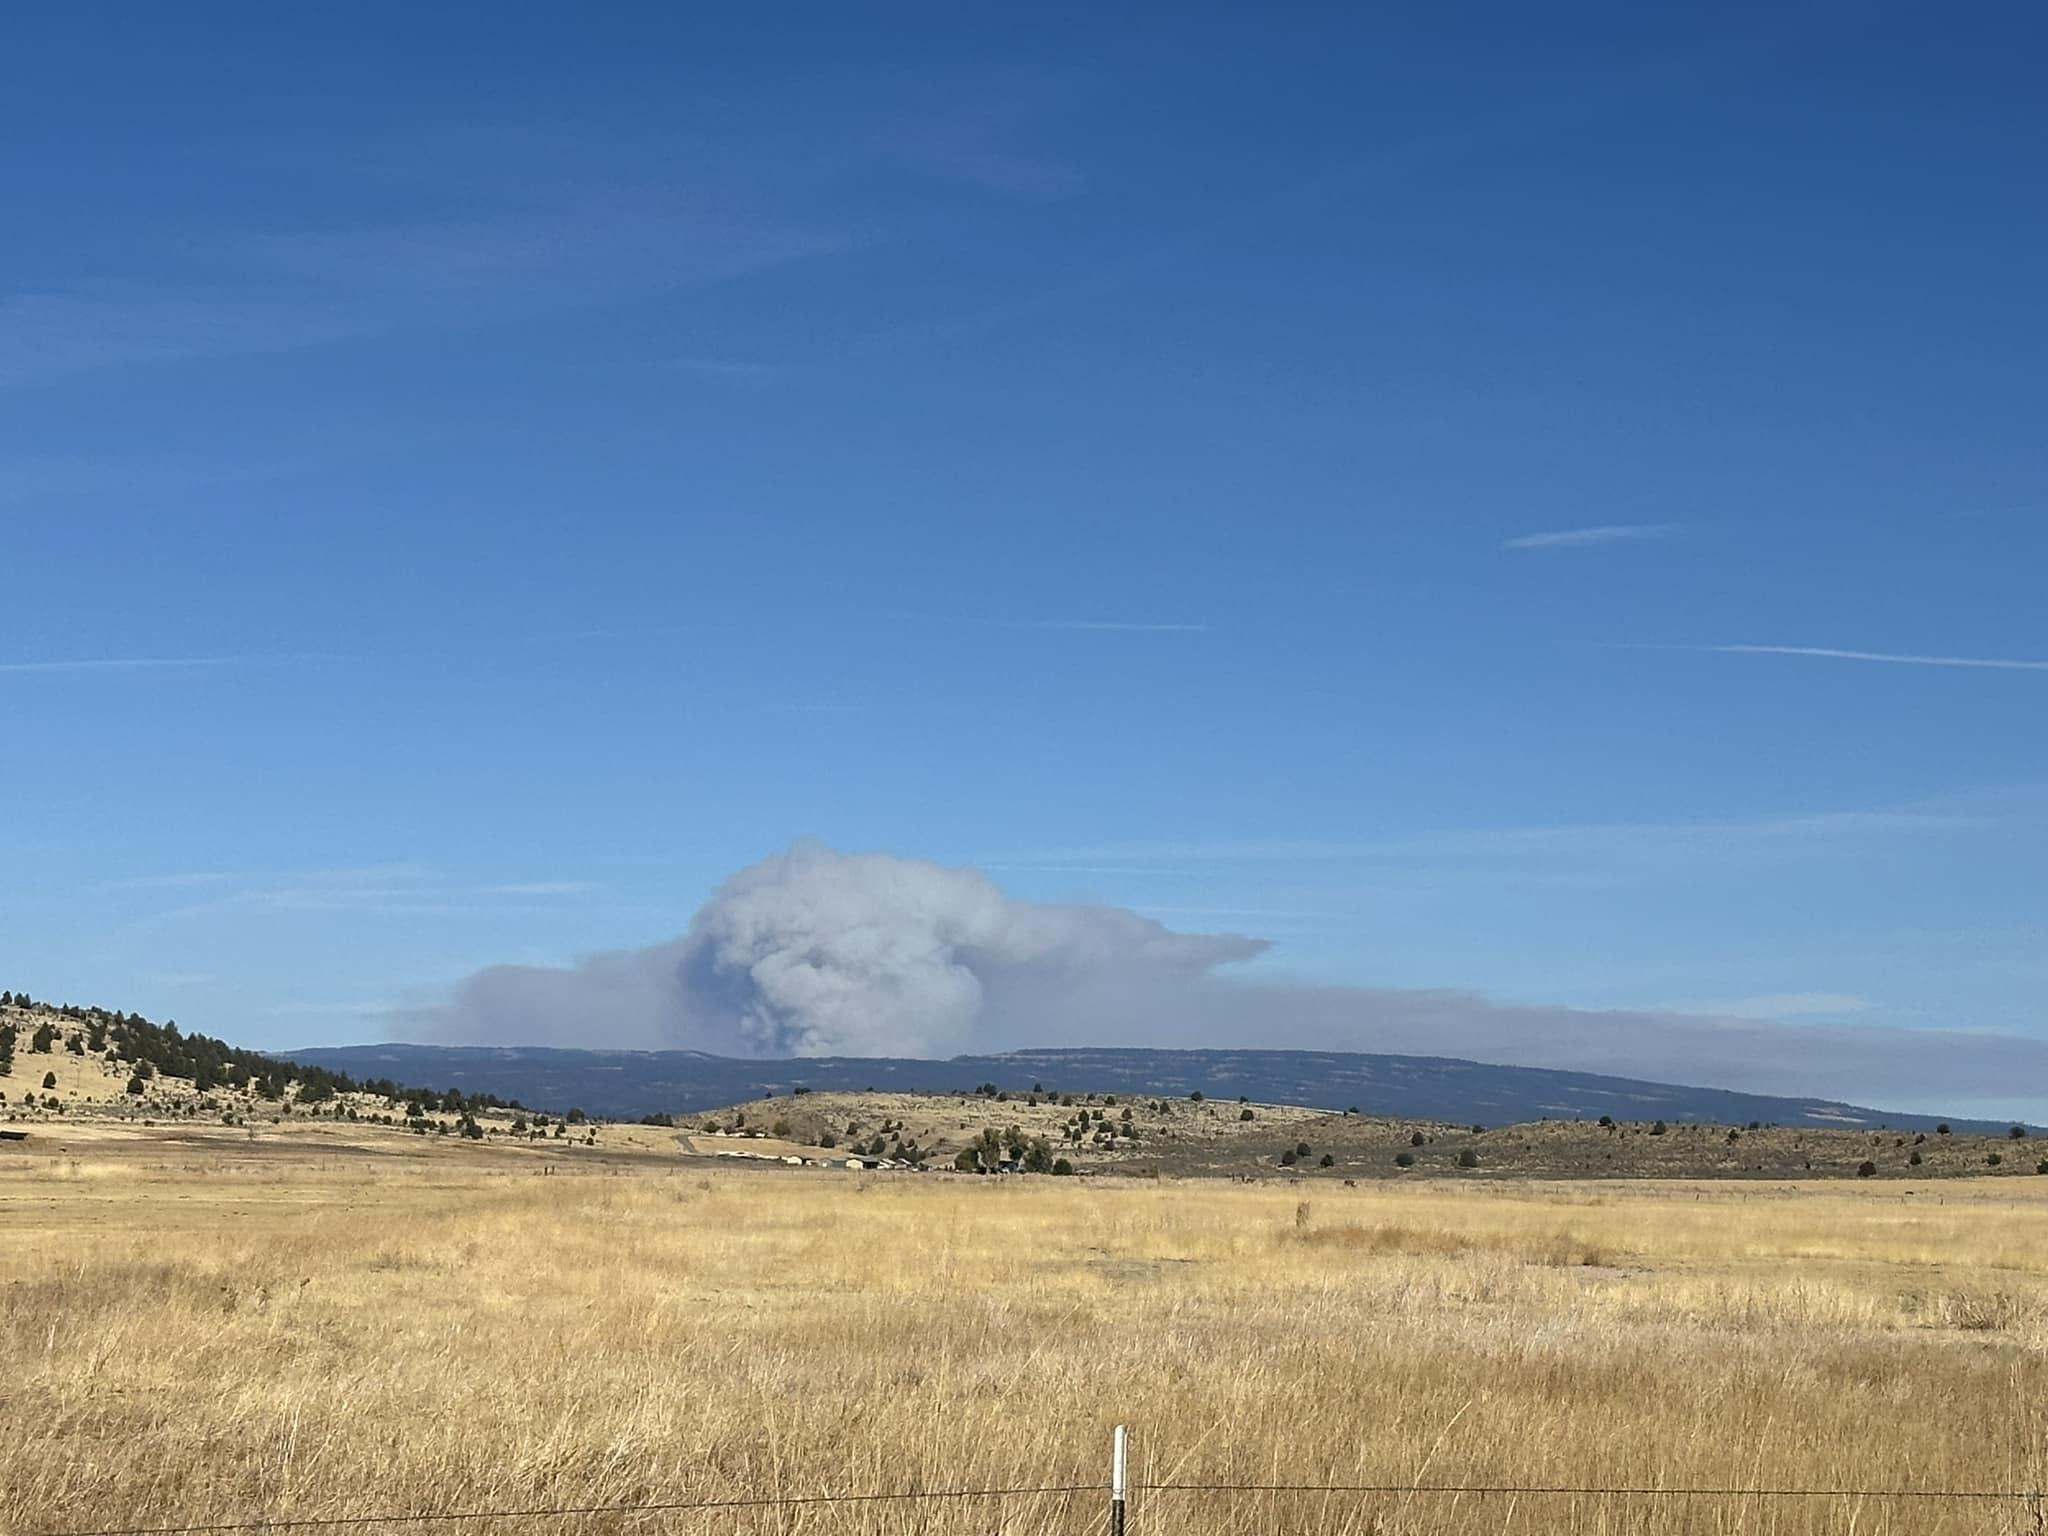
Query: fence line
x=1061 y=1490
x=664 y=1506
x=1118 y=1486
x=1547 y=1489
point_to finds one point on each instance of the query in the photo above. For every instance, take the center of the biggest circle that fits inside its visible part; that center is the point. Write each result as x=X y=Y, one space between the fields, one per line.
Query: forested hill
x=627 y=1084
x=148 y=1050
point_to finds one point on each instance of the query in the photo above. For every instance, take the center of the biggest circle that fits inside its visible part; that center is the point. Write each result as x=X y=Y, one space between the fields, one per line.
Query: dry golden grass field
x=190 y=1333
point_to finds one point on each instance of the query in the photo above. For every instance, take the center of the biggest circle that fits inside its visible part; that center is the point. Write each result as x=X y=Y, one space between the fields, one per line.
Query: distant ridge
x=628 y=1084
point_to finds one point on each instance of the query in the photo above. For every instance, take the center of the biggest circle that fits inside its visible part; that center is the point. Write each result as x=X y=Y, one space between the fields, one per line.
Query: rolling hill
x=628 y=1084
x=122 y=1085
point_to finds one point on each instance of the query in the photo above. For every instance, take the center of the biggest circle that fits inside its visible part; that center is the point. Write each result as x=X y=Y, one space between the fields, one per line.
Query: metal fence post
x=1116 y=1484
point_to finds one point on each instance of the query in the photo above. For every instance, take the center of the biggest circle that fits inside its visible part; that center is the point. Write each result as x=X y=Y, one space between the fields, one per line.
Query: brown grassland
x=191 y=1333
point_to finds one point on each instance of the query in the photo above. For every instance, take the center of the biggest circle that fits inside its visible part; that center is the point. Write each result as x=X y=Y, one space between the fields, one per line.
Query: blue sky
x=1472 y=494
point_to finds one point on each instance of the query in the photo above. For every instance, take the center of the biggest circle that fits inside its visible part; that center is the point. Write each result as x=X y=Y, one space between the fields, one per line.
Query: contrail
x=1831 y=653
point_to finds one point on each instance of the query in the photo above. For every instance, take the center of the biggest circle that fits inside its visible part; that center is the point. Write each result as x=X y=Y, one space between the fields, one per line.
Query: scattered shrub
x=1404 y=1159
x=1244 y=1114
x=1866 y=1170
x=1468 y=1159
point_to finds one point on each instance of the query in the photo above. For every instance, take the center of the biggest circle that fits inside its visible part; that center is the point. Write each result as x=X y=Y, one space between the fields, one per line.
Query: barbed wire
x=1545 y=1490
x=570 y=1511
x=1047 y=1490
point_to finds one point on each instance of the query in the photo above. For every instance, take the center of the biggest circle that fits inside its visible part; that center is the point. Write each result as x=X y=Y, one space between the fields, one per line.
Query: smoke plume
x=815 y=953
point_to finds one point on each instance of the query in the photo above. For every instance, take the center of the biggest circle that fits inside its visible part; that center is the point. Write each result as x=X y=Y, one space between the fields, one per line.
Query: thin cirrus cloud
x=1582 y=538
x=281 y=293
x=88 y=665
x=1120 y=626
x=1049 y=623
x=1886 y=658
x=386 y=890
x=722 y=367
x=128 y=664
x=1778 y=1005
x=1622 y=844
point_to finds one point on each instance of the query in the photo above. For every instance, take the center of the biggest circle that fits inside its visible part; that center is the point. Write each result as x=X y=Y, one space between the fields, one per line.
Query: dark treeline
x=165 y=1050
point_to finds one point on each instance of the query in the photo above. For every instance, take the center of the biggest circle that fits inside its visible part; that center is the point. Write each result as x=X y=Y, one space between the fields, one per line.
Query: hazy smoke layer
x=814 y=953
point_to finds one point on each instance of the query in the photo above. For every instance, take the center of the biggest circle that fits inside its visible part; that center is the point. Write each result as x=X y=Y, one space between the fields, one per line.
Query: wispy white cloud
x=316 y=1010
x=109 y=475
x=1120 y=626
x=1615 y=844
x=275 y=293
x=181 y=880
x=1030 y=178
x=179 y=978
x=377 y=890
x=647 y=631
x=1888 y=658
x=811 y=707
x=975 y=140
x=1777 y=1005
x=722 y=367
x=131 y=663
x=1061 y=864
x=1602 y=533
